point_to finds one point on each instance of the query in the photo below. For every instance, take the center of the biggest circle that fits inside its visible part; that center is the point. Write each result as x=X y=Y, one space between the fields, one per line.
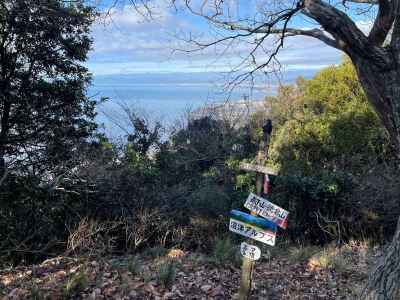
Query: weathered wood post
x=248 y=264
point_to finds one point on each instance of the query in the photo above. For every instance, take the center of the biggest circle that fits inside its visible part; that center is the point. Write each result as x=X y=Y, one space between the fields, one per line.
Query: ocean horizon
x=166 y=97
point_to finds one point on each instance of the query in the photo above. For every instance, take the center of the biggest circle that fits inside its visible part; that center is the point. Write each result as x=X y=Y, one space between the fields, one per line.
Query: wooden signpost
x=257 y=168
x=251 y=226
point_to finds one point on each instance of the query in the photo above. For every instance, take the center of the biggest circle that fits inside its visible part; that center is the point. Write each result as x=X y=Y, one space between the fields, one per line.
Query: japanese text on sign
x=267 y=210
x=253 y=232
x=250 y=251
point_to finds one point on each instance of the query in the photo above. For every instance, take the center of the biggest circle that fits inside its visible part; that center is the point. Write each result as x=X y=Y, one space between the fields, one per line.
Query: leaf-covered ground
x=329 y=274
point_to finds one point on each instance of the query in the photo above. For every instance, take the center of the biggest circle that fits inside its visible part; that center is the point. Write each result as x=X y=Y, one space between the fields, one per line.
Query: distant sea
x=166 y=97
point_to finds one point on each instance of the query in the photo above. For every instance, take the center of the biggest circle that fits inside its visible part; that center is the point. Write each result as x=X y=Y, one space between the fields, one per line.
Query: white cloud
x=124 y=29
x=126 y=43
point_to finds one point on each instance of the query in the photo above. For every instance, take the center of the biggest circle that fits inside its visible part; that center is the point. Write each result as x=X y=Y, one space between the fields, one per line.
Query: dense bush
x=125 y=197
x=316 y=204
x=337 y=178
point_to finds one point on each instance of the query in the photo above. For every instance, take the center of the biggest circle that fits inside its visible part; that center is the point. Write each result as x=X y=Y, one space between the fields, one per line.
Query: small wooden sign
x=267 y=210
x=253 y=232
x=250 y=251
x=257 y=168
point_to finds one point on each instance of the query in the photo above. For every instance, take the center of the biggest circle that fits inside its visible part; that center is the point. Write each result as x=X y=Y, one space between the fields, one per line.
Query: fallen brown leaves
x=195 y=279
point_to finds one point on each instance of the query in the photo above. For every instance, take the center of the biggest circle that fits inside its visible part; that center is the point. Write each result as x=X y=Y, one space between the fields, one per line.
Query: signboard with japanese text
x=250 y=251
x=253 y=232
x=267 y=209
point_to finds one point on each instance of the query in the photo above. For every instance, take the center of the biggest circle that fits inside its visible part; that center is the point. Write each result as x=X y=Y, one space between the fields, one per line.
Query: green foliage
x=76 y=284
x=336 y=179
x=209 y=200
x=142 y=137
x=167 y=274
x=45 y=110
x=326 y=141
x=309 y=198
x=245 y=182
x=202 y=148
x=329 y=125
x=46 y=119
x=28 y=217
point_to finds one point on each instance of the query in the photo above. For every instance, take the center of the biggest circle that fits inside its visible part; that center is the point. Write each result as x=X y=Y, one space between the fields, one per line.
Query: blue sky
x=133 y=60
x=126 y=43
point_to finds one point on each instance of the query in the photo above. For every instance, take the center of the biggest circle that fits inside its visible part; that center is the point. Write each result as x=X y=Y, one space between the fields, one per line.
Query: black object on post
x=267 y=129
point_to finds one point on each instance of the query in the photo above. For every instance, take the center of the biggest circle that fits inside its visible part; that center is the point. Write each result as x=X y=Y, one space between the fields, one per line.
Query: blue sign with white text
x=255 y=221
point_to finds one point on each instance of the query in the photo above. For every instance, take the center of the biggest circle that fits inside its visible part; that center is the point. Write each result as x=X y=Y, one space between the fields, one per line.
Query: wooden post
x=248 y=265
x=245 y=280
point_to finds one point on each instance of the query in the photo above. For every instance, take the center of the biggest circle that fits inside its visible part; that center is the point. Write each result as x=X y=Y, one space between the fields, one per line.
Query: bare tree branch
x=343 y=29
x=267 y=28
x=315 y=33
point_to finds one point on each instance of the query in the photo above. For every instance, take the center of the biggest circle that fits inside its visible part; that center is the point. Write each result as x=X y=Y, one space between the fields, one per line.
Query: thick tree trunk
x=382 y=87
x=384 y=281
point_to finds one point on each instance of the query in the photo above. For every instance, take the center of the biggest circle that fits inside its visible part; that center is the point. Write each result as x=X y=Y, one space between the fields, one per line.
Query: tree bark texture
x=383 y=89
x=383 y=283
x=378 y=69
